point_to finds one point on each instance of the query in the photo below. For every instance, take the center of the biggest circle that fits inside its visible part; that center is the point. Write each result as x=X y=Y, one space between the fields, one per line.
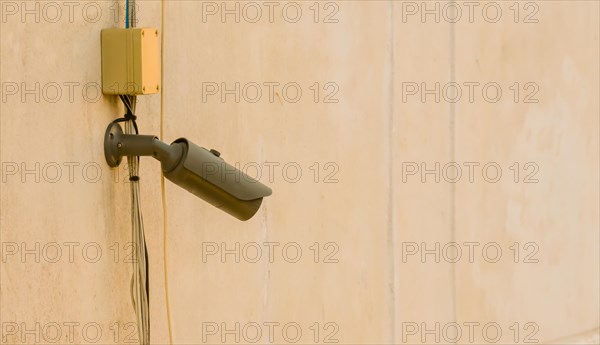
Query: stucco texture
x=358 y=115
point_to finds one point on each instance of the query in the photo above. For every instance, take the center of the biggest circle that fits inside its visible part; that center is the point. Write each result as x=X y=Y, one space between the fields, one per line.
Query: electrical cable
x=162 y=176
x=140 y=283
x=126 y=103
x=140 y=289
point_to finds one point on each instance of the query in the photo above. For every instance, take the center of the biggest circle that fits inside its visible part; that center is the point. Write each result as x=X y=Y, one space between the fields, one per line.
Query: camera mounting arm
x=118 y=144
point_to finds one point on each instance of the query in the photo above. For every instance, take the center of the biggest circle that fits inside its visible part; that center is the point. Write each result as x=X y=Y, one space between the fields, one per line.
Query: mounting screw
x=157 y=87
x=143 y=89
x=156 y=33
x=142 y=32
x=119 y=145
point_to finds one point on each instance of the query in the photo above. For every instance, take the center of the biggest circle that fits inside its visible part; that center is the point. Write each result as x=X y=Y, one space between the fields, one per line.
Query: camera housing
x=200 y=171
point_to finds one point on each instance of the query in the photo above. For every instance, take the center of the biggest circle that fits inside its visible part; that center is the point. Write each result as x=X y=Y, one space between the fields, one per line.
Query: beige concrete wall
x=65 y=216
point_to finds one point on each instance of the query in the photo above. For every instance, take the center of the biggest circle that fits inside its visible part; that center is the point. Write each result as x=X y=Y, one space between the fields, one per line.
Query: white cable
x=162 y=176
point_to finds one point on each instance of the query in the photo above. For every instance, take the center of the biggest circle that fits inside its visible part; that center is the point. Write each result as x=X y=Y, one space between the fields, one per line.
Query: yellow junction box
x=130 y=61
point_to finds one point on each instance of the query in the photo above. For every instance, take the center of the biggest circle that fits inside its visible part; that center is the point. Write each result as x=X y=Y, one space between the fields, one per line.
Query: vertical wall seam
x=0 y=183
x=391 y=235
x=452 y=130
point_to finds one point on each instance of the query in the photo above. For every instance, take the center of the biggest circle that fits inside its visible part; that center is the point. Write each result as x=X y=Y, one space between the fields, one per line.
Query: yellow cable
x=162 y=176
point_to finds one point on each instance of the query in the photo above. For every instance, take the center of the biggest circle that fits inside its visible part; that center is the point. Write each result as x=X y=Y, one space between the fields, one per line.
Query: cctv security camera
x=200 y=171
